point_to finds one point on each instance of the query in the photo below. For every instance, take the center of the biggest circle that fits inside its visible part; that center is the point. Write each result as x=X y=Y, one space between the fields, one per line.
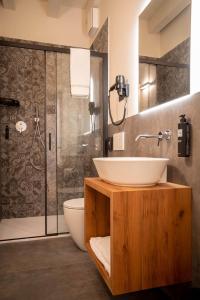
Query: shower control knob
x=21 y=126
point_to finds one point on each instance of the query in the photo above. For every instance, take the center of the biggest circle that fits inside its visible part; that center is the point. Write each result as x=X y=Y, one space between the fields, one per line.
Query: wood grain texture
x=150 y=233
x=126 y=243
x=97 y=214
x=166 y=231
x=107 y=188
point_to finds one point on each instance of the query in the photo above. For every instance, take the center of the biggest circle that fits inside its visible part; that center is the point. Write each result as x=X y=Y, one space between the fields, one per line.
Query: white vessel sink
x=131 y=171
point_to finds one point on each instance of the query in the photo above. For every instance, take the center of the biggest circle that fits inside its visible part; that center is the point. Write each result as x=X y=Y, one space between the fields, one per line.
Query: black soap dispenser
x=184 y=132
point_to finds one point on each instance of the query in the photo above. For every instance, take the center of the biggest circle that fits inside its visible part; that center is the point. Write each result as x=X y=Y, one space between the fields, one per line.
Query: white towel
x=80 y=72
x=101 y=248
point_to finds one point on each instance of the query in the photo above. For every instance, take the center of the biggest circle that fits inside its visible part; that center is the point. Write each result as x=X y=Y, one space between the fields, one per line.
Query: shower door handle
x=49 y=141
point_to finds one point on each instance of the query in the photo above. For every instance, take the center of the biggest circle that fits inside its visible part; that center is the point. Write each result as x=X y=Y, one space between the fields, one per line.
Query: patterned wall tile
x=100 y=43
x=174 y=82
x=22 y=77
x=51 y=81
x=171 y=82
x=29 y=76
x=51 y=109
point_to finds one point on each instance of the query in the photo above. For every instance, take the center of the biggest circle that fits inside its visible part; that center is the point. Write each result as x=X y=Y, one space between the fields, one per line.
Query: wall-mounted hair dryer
x=121 y=87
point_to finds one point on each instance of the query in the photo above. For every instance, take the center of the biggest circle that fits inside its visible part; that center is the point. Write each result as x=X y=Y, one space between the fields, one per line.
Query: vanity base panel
x=150 y=230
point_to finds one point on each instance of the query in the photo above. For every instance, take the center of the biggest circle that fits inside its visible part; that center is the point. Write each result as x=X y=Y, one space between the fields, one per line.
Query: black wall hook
x=7 y=132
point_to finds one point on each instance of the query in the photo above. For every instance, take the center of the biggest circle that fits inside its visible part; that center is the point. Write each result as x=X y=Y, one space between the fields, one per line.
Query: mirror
x=164 y=52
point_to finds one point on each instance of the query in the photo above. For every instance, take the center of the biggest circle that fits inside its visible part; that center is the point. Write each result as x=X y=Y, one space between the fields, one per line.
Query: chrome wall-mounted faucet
x=162 y=135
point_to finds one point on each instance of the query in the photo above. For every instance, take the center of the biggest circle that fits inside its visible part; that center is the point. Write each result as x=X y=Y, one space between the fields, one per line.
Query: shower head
x=36 y=111
x=36 y=118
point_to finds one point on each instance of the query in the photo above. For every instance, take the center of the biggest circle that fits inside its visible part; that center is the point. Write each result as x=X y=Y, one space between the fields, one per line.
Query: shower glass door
x=74 y=136
x=79 y=134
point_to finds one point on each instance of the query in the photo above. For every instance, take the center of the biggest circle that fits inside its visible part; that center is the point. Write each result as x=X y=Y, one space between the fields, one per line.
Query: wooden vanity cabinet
x=150 y=231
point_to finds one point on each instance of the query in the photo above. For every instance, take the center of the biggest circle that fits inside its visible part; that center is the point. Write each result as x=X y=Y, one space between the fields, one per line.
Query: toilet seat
x=74 y=218
x=77 y=203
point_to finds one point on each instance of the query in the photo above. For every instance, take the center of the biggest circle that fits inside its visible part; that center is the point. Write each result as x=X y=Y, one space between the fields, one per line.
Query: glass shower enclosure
x=36 y=180
x=74 y=136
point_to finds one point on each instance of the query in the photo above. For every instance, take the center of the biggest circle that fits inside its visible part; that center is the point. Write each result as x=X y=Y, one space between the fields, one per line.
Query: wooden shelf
x=150 y=232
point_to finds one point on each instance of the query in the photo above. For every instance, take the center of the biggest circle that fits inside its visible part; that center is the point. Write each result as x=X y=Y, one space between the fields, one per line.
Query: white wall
x=30 y=22
x=123 y=46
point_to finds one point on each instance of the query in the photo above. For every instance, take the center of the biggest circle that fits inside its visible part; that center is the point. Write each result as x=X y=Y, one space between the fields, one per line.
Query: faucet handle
x=167 y=134
x=164 y=135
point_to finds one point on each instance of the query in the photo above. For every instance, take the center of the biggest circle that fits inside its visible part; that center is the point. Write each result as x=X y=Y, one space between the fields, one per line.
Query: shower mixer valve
x=36 y=119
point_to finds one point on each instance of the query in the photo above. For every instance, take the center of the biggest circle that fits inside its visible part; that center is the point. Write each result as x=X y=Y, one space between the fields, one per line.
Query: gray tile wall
x=170 y=82
x=22 y=77
x=174 y=82
x=180 y=170
x=51 y=96
x=100 y=43
x=35 y=77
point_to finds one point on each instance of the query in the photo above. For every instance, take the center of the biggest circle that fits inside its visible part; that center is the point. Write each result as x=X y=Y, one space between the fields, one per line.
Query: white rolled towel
x=80 y=72
x=101 y=248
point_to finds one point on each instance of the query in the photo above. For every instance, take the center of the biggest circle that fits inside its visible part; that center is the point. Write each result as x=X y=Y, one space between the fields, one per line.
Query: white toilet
x=74 y=218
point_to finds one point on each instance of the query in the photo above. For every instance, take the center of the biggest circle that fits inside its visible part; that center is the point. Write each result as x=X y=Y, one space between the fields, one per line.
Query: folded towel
x=80 y=72
x=101 y=248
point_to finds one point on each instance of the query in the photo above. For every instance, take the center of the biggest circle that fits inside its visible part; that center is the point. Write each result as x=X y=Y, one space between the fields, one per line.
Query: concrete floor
x=55 y=269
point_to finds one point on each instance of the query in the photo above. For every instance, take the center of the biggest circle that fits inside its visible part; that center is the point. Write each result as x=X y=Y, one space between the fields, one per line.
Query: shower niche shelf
x=7 y=102
x=150 y=233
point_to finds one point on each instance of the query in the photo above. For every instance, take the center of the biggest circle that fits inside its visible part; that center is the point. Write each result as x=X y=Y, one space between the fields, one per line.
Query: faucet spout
x=162 y=135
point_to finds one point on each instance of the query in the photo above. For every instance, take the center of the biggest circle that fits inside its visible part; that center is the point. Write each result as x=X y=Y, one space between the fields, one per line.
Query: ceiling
x=55 y=6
